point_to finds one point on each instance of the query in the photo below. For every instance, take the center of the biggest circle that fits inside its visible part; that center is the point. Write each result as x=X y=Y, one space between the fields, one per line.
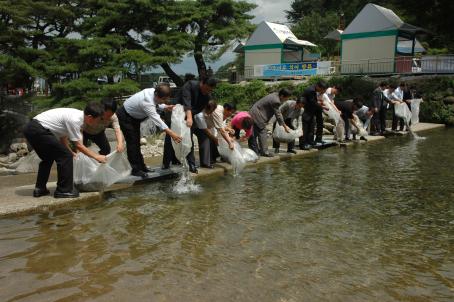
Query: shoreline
x=18 y=200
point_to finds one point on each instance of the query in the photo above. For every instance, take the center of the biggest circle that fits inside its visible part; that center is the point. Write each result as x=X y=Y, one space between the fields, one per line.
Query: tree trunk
x=200 y=62
x=175 y=78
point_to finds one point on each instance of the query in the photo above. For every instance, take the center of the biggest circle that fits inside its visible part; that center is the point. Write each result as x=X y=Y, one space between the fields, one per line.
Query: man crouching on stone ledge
x=49 y=134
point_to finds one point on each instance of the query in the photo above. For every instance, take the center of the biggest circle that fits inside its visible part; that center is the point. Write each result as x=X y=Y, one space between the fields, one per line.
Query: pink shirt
x=237 y=122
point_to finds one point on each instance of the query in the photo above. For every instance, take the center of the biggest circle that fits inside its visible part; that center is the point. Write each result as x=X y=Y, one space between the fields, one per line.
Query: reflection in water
x=368 y=223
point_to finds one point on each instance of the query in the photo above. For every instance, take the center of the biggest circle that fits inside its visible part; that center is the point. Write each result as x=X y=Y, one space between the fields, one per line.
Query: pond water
x=373 y=222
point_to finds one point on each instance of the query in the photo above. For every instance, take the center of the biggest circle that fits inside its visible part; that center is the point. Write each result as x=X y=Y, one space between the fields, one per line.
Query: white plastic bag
x=361 y=131
x=90 y=175
x=403 y=112
x=332 y=113
x=234 y=157
x=249 y=155
x=415 y=103
x=280 y=135
x=179 y=126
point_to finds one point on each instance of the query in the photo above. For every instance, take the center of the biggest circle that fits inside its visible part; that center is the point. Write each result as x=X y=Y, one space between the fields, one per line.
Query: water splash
x=413 y=134
x=186 y=183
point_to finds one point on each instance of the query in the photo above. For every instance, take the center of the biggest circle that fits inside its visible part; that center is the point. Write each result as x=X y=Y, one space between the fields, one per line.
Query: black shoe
x=37 y=192
x=141 y=174
x=363 y=138
x=207 y=166
x=306 y=147
x=148 y=170
x=267 y=155
x=193 y=169
x=176 y=163
x=165 y=167
x=73 y=194
x=291 y=151
x=276 y=150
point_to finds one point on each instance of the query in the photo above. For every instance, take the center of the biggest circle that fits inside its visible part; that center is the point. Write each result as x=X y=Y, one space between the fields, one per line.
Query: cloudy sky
x=266 y=10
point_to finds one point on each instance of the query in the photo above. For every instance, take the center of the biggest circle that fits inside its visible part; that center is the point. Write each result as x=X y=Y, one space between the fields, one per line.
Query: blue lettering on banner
x=291 y=69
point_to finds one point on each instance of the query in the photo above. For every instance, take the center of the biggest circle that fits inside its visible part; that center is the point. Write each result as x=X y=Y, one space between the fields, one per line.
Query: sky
x=266 y=10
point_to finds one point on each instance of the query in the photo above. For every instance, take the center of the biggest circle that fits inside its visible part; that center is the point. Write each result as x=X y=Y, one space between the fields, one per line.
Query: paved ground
x=16 y=190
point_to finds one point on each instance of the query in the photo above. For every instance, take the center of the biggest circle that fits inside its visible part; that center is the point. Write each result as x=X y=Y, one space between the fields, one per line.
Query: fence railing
x=439 y=64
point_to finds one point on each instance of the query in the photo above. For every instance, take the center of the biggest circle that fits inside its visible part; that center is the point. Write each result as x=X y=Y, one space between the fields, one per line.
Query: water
x=369 y=223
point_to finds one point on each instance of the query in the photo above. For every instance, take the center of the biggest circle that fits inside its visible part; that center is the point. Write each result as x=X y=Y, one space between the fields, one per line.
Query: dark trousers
x=214 y=153
x=346 y=126
x=204 y=148
x=100 y=140
x=375 y=121
x=131 y=131
x=262 y=136
x=290 y=145
x=319 y=122
x=50 y=149
x=397 y=120
x=169 y=154
x=382 y=116
x=308 y=128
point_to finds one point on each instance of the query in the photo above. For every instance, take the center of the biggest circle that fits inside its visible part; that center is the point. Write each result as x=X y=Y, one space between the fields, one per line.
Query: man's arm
x=80 y=147
x=64 y=140
x=173 y=135
x=120 y=140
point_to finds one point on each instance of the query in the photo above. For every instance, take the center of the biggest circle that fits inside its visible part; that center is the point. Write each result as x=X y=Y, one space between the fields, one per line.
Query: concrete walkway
x=16 y=190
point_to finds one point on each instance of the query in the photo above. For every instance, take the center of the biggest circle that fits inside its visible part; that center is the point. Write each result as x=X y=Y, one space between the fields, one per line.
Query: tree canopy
x=88 y=49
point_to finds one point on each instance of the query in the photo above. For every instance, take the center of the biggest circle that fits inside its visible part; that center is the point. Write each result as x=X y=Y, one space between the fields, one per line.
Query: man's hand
x=286 y=128
x=120 y=147
x=101 y=158
x=169 y=107
x=177 y=139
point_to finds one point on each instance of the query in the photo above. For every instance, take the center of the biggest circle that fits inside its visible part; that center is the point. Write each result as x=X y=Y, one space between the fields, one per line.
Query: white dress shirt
x=143 y=105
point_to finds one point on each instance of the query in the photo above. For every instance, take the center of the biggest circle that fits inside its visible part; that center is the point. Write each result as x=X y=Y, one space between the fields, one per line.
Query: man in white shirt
x=398 y=97
x=211 y=120
x=49 y=134
x=136 y=109
x=98 y=134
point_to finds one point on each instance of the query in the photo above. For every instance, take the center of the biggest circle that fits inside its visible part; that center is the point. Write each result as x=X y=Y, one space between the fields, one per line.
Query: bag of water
x=403 y=112
x=280 y=135
x=179 y=127
x=90 y=175
x=415 y=103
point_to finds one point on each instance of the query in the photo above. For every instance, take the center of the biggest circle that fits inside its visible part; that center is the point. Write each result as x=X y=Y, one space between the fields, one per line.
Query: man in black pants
x=194 y=96
x=98 y=134
x=378 y=106
x=313 y=109
x=135 y=110
x=49 y=134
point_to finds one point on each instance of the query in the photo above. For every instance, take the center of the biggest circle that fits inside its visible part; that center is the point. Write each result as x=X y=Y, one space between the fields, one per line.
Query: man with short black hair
x=49 y=134
x=261 y=112
x=313 y=110
x=135 y=110
x=98 y=134
x=194 y=96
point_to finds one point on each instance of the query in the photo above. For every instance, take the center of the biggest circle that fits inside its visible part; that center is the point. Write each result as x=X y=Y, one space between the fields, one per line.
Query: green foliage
x=313 y=27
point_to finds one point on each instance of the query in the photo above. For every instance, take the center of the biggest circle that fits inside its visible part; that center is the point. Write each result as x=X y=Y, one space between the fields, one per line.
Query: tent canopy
x=375 y=18
x=273 y=33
